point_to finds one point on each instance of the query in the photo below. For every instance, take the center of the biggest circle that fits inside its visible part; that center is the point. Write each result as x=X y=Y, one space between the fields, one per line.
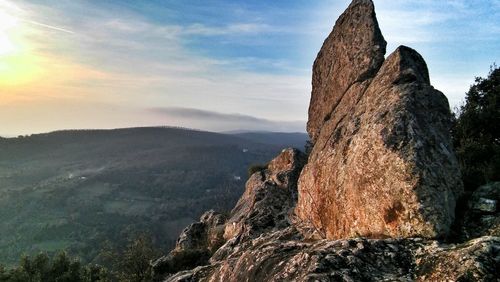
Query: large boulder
x=382 y=164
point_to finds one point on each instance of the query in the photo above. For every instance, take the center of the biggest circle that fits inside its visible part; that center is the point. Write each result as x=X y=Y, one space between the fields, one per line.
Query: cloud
x=216 y=121
x=231 y=29
x=134 y=26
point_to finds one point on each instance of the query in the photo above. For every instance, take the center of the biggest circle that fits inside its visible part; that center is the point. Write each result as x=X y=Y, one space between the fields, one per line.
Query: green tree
x=135 y=262
x=41 y=263
x=476 y=133
x=61 y=268
x=131 y=264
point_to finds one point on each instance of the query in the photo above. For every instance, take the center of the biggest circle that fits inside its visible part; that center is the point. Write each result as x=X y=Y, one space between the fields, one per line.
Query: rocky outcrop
x=382 y=164
x=203 y=235
x=482 y=218
x=269 y=245
x=285 y=256
x=378 y=193
x=195 y=245
x=350 y=56
x=269 y=196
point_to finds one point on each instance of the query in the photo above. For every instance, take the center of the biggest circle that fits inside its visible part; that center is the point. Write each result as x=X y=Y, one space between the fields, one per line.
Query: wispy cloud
x=195 y=29
x=217 y=121
x=231 y=29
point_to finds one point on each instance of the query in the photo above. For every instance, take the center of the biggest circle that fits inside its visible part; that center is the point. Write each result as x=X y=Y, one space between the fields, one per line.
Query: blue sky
x=105 y=64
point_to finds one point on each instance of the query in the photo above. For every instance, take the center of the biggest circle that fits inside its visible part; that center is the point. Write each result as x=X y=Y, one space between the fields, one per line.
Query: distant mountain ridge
x=294 y=139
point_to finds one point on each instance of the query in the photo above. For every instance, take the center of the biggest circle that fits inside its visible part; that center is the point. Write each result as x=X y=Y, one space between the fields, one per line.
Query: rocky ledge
x=265 y=241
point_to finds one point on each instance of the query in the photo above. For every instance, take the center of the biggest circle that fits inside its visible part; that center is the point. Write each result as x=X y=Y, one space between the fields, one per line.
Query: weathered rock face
x=284 y=256
x=205 y=234
x=382 y=164
x=280 y=252
x=350 y=56
x=269 y=196
x=475 y=260
x=269 y=247
x=195 y=245
x=483 y=215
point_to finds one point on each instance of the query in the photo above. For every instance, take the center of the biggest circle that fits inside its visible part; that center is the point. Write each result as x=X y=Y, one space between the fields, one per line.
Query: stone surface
x=350 y=55
x=269 y=196
x=485 y=205
x=476 y=260
x=483 y=216
x=284 y=256
x=280 y=252
x=205 y=234
x=195 y=245
x=485 y=198
x=382 y=164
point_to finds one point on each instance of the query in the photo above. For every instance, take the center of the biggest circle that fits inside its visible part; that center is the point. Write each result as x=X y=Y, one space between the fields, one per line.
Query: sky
x=213 y=65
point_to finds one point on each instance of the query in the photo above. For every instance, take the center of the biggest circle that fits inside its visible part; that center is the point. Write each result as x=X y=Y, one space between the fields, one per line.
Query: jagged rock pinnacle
x=352 y=53
x=382 y=163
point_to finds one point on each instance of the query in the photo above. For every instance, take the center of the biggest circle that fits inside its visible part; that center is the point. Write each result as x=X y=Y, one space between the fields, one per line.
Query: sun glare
x=17 y=64
x=7 y=25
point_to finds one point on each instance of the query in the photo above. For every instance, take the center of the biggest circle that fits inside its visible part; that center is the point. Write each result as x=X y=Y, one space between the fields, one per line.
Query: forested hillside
x=84 y=190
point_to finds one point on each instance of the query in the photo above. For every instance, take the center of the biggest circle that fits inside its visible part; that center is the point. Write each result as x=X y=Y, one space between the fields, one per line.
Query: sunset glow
x=17 y=70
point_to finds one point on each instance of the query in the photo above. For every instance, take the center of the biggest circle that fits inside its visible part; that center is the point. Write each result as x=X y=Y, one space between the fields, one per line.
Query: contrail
x=12 y=6
x=49 y=26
